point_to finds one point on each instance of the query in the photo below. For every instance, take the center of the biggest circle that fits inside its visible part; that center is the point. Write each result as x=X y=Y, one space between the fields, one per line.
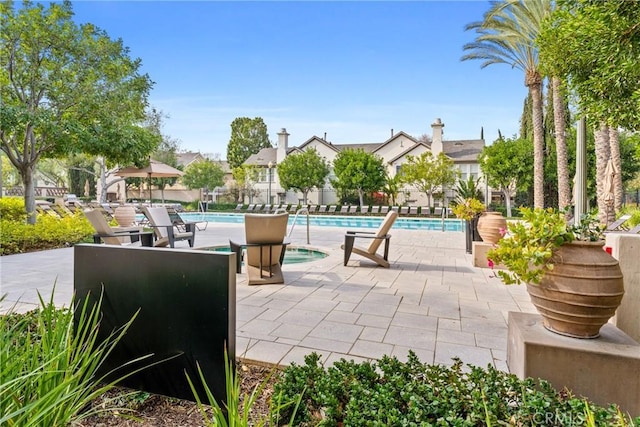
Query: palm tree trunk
x=562 y=164
x=614 y=146
x=602 y=156
x=538 y=145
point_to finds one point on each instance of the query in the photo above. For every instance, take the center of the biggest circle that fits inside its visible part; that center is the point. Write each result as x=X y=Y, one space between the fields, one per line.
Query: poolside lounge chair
x=404 y=210
x=353 y=209
x=322 y=209
x=165 y=231
x=437 y=211
x=377 y=237
x=413 y=210
x=116 y=235
x=266 y=208
x=239 y=207
x=265 y=247
x=251 y=207
x=312 y=209
x=618 y=224
x=384 y=209
x=332 y=209
x=181 y=224
x=425 y=211
x=293 y=209
x=375 y=209
x=344 y=209
x=364 y=209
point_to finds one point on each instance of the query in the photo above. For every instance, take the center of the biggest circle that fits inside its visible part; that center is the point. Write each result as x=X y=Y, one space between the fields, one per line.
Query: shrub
x=391 y=392
x=47 y=233
x=12 y=209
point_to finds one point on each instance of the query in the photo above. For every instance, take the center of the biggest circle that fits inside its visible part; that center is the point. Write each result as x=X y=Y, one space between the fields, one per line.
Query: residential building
x=393 y=151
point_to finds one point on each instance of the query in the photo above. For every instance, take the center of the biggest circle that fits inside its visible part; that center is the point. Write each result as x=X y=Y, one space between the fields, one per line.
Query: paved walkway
x=432 y=300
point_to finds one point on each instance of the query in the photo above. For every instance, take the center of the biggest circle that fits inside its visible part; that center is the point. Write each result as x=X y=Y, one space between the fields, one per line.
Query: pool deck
x=432 y=300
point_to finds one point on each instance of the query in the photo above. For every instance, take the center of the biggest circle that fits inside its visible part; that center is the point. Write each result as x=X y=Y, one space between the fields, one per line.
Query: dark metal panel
x=187 y=306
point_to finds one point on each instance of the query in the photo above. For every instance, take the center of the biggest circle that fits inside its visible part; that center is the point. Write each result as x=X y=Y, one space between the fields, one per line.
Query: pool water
x=340 y=221
x=294 y=255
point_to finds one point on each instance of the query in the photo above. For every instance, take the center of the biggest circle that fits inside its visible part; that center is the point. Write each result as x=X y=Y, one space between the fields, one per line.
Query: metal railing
x=295 y=220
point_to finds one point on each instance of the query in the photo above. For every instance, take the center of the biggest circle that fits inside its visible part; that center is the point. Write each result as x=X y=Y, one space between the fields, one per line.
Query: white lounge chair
x=167 y=233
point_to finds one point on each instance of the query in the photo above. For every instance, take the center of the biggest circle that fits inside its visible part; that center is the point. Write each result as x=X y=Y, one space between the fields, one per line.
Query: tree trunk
x=614 y=147
x=361 y=196
x=29 y=194
x=103 y=179
x=507 y=200
x=564 y=189
x=538 y=145
x=602 y=156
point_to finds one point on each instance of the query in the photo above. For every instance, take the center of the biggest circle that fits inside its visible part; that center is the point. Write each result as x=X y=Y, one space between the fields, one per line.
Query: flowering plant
x=528 y=246
x=468 y=208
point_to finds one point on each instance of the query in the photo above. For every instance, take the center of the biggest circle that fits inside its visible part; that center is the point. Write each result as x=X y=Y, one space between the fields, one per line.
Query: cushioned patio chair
x=265 y=242
x=165 y=231
x=404 y=210
x=364 y=209
x=116 y=235
x=376 y=237
x=375 y=209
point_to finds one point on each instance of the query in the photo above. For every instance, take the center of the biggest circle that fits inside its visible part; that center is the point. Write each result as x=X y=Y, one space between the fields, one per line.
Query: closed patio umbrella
x=154 y=169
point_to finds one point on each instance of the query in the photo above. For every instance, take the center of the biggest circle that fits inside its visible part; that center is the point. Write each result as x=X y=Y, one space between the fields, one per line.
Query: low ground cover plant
x=395 y=393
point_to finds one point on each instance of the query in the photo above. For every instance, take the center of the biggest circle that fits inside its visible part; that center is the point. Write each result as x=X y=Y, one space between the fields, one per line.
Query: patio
x=432 y=300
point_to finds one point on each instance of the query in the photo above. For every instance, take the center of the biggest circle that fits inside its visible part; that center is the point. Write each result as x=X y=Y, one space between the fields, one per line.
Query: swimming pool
x=338 y=221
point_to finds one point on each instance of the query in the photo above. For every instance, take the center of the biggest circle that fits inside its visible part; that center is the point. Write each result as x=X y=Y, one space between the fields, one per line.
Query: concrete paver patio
x=432 y=300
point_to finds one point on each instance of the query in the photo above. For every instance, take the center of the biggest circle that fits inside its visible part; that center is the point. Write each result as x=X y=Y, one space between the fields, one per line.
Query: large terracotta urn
x=125 y=215
x=489 y=226
x=582 y=291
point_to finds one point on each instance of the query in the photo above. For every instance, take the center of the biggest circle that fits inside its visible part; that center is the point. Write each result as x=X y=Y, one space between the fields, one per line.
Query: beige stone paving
x=432 y=300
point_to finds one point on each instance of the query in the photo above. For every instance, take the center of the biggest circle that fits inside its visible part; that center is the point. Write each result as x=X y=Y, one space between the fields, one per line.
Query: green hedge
x=16 y=236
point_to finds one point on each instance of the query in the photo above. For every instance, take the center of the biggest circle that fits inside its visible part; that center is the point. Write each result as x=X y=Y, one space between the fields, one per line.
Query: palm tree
x=562 y=162
x=507 y=35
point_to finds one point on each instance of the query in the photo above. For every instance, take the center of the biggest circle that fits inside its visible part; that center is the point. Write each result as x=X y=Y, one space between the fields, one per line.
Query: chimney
x=283 y=145
x=325 y=136
x=436 y=139
x=391 y=132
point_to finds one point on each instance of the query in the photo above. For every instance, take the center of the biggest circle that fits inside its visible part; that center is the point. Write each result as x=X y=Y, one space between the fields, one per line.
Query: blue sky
x=352 y=70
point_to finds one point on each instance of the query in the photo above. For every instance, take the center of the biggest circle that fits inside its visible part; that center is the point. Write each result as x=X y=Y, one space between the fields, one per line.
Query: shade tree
x=66 y=88
x=303 y=172
x=359 y=171
x=429 y=173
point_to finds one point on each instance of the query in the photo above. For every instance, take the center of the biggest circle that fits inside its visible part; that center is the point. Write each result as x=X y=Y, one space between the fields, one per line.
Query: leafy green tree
x=507 y=35
x=359 y=171
x=303 y=172
x=429 y=173
x=66 y=88
x=245 y=177
x=506 y=164
x=205 y=174
x=248 y=136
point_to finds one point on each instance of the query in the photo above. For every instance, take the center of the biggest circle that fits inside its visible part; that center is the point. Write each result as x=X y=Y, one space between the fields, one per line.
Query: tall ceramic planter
x=489 y=225
x=581 y=293
x=125 y=215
